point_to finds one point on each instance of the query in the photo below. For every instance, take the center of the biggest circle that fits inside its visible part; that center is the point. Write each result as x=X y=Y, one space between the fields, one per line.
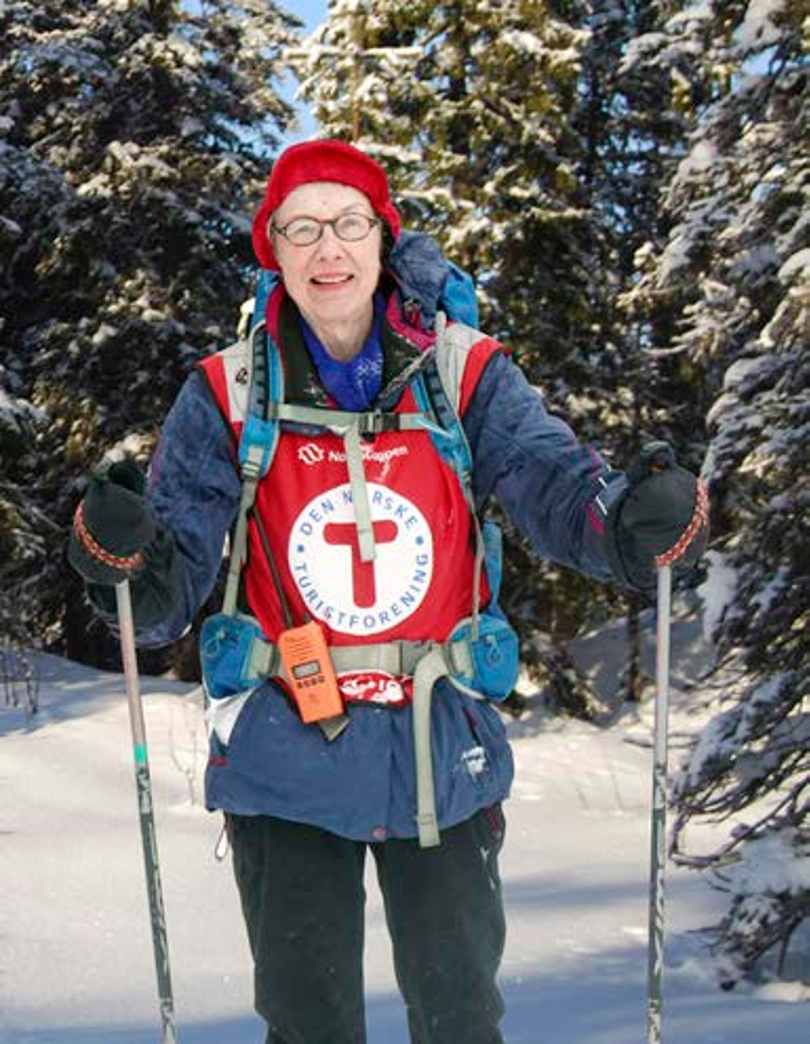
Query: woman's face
x=332 y=280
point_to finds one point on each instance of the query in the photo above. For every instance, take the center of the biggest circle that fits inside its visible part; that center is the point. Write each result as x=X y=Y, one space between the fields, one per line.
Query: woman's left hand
x=660 y=519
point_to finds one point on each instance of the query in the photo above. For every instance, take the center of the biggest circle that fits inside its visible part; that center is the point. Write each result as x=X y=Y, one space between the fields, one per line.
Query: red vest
x=420 y=583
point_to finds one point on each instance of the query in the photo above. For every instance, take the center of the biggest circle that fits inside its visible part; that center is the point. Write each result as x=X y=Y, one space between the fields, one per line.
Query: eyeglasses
x=305 y=231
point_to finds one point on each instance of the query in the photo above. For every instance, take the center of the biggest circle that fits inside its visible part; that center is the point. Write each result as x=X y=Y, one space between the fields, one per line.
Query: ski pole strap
x=699 y=519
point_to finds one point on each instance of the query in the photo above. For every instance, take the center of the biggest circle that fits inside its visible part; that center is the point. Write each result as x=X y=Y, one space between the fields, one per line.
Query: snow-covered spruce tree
x=738 y=256
x=467 y=105
x=24 y=530
x=634 y=123
x=134 y=138
x=633 y=117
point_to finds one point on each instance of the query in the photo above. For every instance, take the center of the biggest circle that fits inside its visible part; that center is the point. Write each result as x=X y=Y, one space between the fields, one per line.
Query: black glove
x=663 y=512
x=112 y=526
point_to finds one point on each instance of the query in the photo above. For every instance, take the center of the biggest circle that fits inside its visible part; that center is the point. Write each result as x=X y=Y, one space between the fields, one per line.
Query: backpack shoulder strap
x=453 y=345
x=259 y=439
x=440 y=386
x=437 y=390
x=257 y=445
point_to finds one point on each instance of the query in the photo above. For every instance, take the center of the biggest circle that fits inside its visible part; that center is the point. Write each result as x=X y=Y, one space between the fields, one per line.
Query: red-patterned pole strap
x=699 y=518
x=129 y=563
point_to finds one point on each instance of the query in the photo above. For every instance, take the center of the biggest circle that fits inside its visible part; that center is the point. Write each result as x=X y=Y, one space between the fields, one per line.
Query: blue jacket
x=362 y=785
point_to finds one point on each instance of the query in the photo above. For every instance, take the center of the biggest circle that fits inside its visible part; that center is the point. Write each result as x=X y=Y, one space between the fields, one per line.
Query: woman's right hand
x=112 y=526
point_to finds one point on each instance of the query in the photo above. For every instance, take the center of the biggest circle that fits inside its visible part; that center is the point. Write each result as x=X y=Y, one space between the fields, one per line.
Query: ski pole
x=655 y=946
x=147 y=821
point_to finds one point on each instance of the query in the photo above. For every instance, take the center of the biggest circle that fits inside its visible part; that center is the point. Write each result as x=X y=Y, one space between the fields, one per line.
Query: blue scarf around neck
x=354 y=384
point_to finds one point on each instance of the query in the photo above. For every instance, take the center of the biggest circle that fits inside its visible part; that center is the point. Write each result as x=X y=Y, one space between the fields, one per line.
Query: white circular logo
x=341 y=589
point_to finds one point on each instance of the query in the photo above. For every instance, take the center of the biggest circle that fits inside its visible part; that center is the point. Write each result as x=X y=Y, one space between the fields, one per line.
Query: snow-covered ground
x=76 y=962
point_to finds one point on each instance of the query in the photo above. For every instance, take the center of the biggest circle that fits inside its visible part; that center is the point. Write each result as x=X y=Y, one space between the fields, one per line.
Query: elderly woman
x=362 y=572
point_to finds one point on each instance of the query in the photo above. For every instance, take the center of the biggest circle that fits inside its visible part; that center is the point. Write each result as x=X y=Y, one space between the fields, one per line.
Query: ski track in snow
x=76 y=962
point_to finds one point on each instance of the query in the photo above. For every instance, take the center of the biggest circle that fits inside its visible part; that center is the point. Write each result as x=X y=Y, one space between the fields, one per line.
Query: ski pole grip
x=655 y=456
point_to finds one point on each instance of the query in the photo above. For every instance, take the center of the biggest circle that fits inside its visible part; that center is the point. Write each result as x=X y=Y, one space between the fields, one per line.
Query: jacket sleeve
x=194 y=489
x=554 y=489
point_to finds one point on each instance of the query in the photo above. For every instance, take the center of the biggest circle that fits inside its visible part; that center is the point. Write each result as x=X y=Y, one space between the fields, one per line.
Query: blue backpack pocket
x=234 y=654
x=494 y=655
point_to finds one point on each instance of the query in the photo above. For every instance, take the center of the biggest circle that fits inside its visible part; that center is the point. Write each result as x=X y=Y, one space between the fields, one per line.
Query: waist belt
x=398 y=657
x=427 y=662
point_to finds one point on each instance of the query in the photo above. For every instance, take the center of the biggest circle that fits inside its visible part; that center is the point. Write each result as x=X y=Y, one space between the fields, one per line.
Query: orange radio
x=309 y=673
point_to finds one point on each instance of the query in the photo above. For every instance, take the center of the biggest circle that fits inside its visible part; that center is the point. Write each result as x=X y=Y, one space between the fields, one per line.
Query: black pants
x=303 y=900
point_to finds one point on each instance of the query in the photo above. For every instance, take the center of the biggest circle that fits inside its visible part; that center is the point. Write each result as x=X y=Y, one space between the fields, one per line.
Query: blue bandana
x=354 y=384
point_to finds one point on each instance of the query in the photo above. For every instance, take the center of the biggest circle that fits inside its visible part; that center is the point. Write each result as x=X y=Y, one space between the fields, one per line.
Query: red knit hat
x=323 y=160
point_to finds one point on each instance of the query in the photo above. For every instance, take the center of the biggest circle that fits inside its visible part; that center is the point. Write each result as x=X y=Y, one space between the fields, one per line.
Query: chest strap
x=351 y=427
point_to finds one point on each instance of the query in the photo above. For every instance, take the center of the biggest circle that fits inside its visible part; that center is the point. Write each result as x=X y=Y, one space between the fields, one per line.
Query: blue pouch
x=234 y=654
x=495 y=655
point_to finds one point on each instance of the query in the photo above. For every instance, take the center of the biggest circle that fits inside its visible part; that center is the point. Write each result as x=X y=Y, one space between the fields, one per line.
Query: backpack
x=481 y=657
x=442 y=291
